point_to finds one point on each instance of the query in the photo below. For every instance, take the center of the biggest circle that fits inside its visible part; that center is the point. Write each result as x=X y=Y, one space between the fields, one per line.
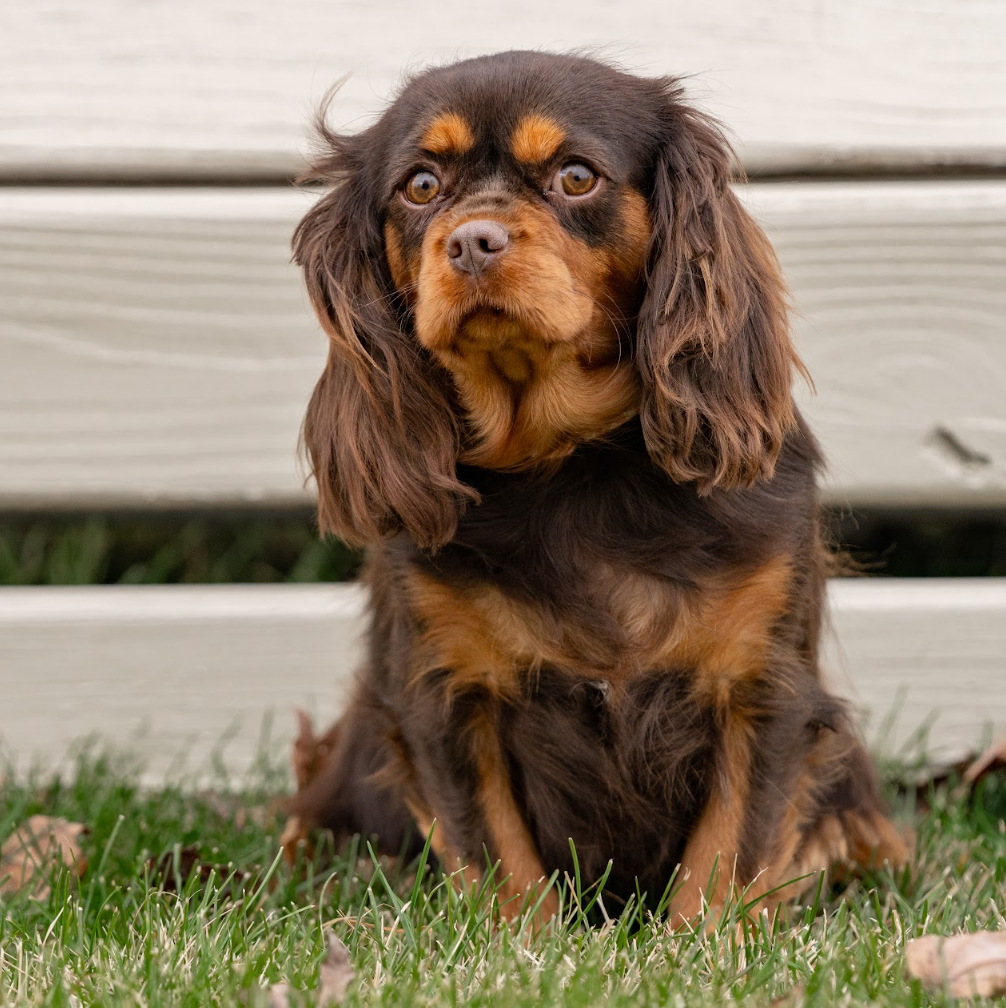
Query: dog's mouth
x=488 y=312
x=502 y=314
x=491 y=326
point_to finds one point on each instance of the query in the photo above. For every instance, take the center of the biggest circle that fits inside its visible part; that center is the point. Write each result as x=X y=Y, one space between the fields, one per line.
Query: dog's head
x=524 y=252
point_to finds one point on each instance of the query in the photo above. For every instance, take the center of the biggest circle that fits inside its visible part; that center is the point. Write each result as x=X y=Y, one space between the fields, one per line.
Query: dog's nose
x=475 y=244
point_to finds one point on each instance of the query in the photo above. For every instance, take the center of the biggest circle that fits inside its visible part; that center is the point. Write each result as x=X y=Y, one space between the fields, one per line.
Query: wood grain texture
x=157 y=348
x=216 y=88
x=923 y=659
x=171 y=671
x=901 y=319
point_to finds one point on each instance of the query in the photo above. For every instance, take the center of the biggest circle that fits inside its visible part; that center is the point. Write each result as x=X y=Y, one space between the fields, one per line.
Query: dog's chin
x=498 y=325
x=493 y=327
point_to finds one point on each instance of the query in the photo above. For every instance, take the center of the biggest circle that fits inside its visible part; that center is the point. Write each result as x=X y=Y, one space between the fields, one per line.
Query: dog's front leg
x=472 y=813
x=708 y=873
x=792 y=792
x=507 y=836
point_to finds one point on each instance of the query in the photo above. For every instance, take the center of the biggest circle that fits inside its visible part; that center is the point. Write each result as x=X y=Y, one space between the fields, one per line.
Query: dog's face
x=517 y=231
x=523 y=253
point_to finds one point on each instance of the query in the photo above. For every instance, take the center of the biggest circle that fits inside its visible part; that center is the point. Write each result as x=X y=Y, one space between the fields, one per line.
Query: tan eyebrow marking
x=536 y=139
x=448 y=134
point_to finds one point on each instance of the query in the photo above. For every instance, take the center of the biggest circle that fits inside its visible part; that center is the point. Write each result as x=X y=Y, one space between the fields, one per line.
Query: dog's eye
x=575 y=179
x=422 y=187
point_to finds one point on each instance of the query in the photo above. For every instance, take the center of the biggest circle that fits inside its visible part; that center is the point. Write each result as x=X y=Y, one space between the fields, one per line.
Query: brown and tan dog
x=557 y=410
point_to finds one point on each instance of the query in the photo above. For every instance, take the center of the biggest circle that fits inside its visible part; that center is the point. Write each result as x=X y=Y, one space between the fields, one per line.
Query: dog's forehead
x=527 y=105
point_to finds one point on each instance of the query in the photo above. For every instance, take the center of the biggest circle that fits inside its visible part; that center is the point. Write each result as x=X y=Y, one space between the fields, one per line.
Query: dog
x=557 y=412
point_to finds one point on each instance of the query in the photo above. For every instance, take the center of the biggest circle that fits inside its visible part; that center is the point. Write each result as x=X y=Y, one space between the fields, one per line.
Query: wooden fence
x=156 y=348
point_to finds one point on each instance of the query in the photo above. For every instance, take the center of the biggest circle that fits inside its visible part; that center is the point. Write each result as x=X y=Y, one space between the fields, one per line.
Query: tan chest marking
x=730 y=639
x=722 y=631
x=533 y=403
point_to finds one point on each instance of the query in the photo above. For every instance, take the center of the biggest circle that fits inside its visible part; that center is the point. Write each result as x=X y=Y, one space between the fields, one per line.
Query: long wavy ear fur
x=713 y=344
x=380 y=434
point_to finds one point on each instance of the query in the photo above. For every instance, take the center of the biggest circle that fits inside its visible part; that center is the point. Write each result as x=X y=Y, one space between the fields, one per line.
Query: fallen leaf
x=966 y=772
x=918 y=785
x=337 y=972
x=967 y=965
x=165 y=874
x=279 y=996
x=232 y=808
x=994 y=758
x=28 y=854
x=934 y=774
x=311 y=751
x=335 y=975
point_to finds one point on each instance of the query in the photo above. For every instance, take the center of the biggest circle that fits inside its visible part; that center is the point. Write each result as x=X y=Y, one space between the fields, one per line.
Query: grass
x=254 y=546
x=118 y=938
x=169 y=548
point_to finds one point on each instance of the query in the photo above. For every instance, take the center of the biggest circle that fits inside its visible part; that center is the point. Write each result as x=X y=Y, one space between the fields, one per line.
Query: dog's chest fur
x=598 y=765
x=606 y=570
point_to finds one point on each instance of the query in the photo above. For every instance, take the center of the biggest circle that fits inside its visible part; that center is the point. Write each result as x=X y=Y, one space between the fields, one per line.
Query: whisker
x=407 y=288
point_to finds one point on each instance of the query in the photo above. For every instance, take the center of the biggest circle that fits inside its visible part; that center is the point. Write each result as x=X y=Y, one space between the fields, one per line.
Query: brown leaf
x=162 y=870
x=310 y=751
x=28 y=854
x=279 y=996
x=335 y=975
x=232 y=808
x=968 y=965
x=916 y=785
x=336 y=972
x=308 y=757
x=994 y=758
x=967 y=770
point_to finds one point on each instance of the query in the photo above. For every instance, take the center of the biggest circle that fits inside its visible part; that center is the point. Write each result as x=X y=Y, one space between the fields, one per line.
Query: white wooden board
x=901 y=319
x=211 y=88
x=171 y=671
x=923 y=659
x=156 y=346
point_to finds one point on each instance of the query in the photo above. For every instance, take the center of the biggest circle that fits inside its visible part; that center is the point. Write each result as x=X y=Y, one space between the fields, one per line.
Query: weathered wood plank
x=924 y=659
x=203 y=89
x=901 y=318
x=157 y=348
x=169 y=671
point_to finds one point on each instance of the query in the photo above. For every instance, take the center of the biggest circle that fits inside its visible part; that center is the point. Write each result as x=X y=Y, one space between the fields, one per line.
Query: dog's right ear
x=380 y=434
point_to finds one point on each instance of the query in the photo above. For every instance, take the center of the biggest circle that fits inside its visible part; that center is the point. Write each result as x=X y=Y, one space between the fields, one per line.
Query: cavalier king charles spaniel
x=557 y=411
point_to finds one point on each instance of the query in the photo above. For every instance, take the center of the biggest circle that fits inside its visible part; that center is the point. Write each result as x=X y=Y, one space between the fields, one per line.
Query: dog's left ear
x=713 y=345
